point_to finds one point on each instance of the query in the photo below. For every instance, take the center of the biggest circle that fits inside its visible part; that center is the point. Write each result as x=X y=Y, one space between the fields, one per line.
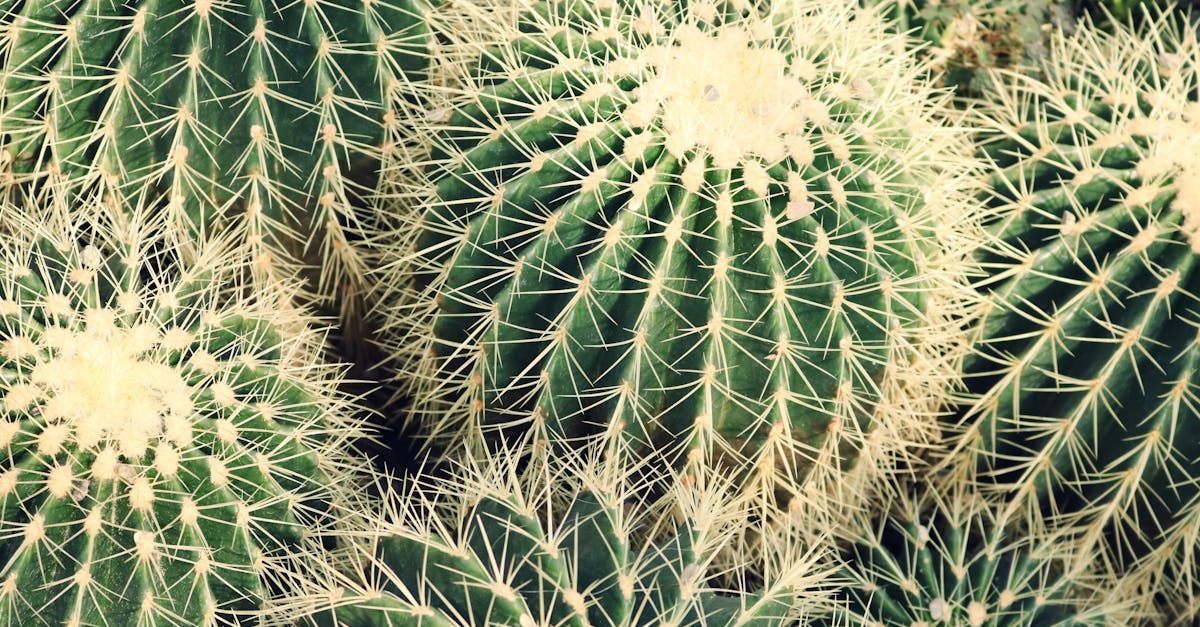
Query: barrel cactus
x=562 y=541
x=166 y=445
x=264 y=119
x=1084 y=409
x=950 y=559
x=729 y=231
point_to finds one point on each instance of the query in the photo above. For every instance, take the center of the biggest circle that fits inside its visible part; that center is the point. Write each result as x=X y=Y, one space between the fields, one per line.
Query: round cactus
x=565 y=542
x=264 y=119
x=725 y=229
x=1085 y=410
x=952 y=561
x=166 y=448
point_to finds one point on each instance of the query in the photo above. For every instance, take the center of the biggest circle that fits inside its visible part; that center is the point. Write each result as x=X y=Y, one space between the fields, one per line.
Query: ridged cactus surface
x=263 y=118
x=731 y=231
x=950 y=559
x=567 y=543
x=1085 y=413
x=166 y=446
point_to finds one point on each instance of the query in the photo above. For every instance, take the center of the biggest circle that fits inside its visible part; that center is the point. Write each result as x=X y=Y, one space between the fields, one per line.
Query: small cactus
x=1084 y=411
x=262 y=119
x=950 y=560
x=963 y=39
x=565 y=542
x=729 y=230
x=166 y=446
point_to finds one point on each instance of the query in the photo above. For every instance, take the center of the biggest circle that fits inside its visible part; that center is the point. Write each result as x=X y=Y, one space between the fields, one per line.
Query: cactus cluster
x=704 y=312
x=166 y=448
x=262 y=120
x=1084 y=414
x=567 y=541
x=731 y=232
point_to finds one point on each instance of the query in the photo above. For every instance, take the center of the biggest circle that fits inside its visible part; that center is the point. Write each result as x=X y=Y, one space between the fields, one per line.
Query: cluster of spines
x=168 y=443
x=262 y=121
x=1084 y=382
x=580 y=268
x=560 y=541
x=945 y=556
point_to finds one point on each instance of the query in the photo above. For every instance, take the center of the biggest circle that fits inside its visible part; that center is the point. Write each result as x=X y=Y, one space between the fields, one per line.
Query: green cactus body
x=563 y=548
x=1086 y=374
x=545 y=574
x=160 y=447
x=261 y=118
x=952 y=561
x=704 y=227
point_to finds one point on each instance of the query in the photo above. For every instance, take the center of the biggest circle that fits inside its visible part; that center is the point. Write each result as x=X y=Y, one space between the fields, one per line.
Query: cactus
x=167 y=447
x=1084 y=412
x=263 y=119
x=564 y=541
x=951 y=560
x=965 y=38
x=729 y=231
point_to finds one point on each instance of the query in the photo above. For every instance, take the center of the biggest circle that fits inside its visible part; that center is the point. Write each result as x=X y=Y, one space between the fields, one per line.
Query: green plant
x=261 y=119
x=563 y=541
x=1084 y=414
x=167 y=446
x=732 y=232
x=967 y=36
x=950 y=559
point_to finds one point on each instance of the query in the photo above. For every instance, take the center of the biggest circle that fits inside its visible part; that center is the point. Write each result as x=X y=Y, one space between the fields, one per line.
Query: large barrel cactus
x=731 y=231
x=166 y=448
x=262 y=118
x=565 y=542
x=951 y=559
x=1085 y=412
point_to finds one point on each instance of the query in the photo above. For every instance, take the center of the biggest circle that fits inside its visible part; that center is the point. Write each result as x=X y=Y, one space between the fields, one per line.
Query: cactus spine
x=1086 y=374
x=950 y=559
x=263 y=119
x=166 y=446
x=731 y=231
x=564 y=541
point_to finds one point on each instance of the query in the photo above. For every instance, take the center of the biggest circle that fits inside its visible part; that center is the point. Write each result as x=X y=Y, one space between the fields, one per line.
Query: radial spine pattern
x=729 y=231
x=1085 y=409
x=166 y=447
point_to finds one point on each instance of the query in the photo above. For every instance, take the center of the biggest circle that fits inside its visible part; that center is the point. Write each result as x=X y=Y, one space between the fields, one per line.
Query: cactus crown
x=166 y=445
x=1084 y=410
x=731 y=231
x=253 y=118
x=568 y=542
